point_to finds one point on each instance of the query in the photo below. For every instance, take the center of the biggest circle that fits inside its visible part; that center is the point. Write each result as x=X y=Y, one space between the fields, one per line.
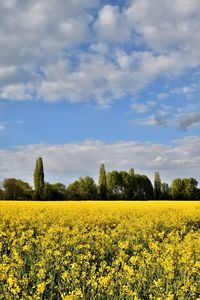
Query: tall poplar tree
x=157 y=185
x=131 y=172
x=102 y=182
x=39 y=179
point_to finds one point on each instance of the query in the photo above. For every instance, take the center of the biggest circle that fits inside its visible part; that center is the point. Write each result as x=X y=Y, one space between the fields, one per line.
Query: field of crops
x=99 y=250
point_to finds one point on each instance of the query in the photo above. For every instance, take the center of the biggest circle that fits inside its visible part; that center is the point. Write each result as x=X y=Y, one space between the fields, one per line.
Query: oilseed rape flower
x=99 y=250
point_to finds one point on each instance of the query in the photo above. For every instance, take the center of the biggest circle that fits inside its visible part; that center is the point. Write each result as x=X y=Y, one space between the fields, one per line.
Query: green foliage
x=2 y=194
x=39 y=179
x=157 y=185
x=185 y=188
x=131 y=172
x=113 y=185
x=82 y=189
x=128 y=186
x=59 y=190
x=144 y=188
x=124 y=183
x=73 y=192
x=176 y=189
x=16 y=189
x=190 y=188
x=165 y=191
x=116 y=185
x=56 y=191
x=102 y=183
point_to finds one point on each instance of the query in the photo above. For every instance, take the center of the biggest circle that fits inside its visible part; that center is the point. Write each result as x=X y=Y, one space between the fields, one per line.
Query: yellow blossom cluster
x=100 y=250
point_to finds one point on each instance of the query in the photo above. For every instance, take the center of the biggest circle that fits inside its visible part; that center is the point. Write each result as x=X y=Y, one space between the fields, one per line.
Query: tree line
x=114 y=185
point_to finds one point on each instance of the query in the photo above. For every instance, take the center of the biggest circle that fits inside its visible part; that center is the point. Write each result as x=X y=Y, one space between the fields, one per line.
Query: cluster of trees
x=113 y=185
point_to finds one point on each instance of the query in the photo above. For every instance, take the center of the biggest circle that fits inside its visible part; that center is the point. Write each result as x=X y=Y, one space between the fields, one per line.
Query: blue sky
x=85 y=82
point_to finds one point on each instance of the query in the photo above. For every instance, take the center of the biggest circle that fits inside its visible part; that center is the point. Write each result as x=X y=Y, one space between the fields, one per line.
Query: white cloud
x=7 y=72
x=143 y=107
x=111 y=25
x=160 y=118
x=96 y=76
x=43 y=53
x=33 y=31
x=66 y=162
x=183 y=118
x=166 y=25
x=189 y=91
x=189 y=119
x=18 y=91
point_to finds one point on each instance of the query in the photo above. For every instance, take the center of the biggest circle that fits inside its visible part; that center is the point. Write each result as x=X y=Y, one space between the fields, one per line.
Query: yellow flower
x=41 y=287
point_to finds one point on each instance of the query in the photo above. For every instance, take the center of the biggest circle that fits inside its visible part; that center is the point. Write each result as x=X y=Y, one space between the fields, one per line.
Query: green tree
x=132 y=185
x=124 y=183
x=39 y=179
x=143 y=187
x=59 y=191
x=55 y=191
x=73 y=192
x=128 y=185
x=82 y=189
x=132 y=172
x=157 y=185
x=102 y=182
x=48 y=192
x=190 y=188
x=177 y=189
x=185 y=188
x=88 y=188
x=113 y=185
x=198 y=194
x=2 y=195
x=165 y=191
x=16 y=189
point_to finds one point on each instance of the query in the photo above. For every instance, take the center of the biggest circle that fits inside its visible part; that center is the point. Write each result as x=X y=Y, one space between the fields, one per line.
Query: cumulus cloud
x=18 y=91
x=143 y=107
x=34 y=31
x=166 y=25
x=182 y=118
x=189 y=119
x=160 y=118
x=65 y=162
x=96 y=76
x=7 y=72
x=111 y=25
x=95 y=48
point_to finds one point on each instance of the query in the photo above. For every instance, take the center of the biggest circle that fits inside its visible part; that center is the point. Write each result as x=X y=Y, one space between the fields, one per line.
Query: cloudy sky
x=91 y=81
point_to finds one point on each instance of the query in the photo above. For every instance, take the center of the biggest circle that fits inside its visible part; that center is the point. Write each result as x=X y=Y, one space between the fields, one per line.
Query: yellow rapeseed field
x=99 y=250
